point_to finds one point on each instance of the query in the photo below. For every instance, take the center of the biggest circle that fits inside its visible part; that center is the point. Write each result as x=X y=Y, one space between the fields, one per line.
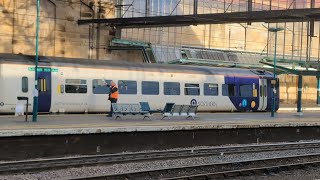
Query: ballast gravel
x=311 y=173
x=157 y=164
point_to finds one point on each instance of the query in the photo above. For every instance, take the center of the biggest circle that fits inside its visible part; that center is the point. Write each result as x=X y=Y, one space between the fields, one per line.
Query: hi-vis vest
x=115 y=95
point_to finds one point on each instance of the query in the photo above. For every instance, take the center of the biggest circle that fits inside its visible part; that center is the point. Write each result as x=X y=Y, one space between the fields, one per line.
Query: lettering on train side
x=207 y=103
x=203 y=103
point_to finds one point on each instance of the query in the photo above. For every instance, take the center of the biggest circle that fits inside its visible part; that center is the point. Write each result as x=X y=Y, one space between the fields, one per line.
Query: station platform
x=11 y=126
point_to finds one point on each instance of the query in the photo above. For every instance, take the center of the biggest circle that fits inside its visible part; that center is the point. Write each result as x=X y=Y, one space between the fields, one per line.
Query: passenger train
x=79 y=85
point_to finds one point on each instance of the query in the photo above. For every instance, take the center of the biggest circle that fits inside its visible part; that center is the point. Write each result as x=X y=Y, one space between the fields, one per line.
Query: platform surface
x=99 y=123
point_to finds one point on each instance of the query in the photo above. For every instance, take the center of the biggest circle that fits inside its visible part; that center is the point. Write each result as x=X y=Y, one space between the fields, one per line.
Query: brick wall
x=289 y=89
x=60 y=35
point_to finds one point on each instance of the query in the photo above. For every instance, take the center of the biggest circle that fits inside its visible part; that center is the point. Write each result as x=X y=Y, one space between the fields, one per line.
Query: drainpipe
x=54 y=26
x=318 y=75
x=13 y=12
x=318 y=90
x=91 y=32
x=98 y=31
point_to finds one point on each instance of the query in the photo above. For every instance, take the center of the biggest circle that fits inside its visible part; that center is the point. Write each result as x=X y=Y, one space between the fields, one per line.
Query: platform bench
x=172 y=109
x=120 y=110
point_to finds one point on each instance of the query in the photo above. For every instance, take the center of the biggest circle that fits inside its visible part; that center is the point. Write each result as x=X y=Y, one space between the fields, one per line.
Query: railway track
x=60 y=163
x=219 y=170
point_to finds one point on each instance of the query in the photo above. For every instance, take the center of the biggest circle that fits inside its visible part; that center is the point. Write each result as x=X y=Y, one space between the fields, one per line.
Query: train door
x=262 y=94
x=44 y=86
x=230 y=88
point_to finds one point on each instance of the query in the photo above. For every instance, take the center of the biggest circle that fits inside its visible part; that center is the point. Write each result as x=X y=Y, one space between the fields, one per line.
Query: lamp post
x=275 y=30
x=35 y=92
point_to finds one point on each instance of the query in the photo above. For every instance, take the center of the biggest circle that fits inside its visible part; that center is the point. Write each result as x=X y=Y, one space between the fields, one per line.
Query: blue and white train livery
x=78 y=85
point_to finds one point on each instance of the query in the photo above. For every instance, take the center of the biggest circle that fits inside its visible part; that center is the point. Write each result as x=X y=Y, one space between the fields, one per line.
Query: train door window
x=42 y=85
x=39 y=85
x=76 y=86
x=229 y=89
x=100 y=86
x=210 y=89
x=171 y=88
x=192 y=89
x=265 y=91
x=25 y=84
x=261 y=91
x=150 y=88
x=127 y=87
x=246 y=90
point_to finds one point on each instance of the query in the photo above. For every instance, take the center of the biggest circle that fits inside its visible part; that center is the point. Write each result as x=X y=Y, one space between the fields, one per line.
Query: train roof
x=125 y=65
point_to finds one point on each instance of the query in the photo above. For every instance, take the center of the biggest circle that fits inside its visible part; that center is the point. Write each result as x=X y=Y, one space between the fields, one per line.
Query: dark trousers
x=112 y=100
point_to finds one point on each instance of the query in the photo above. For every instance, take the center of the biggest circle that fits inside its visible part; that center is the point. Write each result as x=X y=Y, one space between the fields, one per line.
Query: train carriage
x=79 y=85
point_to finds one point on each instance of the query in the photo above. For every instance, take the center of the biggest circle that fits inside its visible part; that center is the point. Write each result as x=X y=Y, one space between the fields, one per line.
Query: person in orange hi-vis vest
x=113 y=96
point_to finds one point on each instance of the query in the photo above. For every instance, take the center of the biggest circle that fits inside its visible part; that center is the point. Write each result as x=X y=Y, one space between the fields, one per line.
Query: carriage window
x=24 y=84
x=229 y=89
x=127 y=87
x=246 y=90
x=210 y=89
x=171 y=88
x=99 y=86
x=76 y=86
x=150 y=87
x=192 y=89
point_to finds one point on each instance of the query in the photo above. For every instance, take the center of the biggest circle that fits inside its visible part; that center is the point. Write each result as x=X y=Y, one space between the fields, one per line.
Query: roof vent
x=259 y=71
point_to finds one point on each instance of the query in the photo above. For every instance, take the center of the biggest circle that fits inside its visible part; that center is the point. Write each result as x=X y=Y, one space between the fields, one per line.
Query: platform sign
x=40 y=69
x=32 y=69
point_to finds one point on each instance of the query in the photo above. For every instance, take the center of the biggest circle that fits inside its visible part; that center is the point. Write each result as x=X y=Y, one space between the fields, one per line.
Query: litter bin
x=20 y=98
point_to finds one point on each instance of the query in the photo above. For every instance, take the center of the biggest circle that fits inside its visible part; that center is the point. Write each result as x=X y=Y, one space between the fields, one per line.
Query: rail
x=218 y=169
x=61 y=163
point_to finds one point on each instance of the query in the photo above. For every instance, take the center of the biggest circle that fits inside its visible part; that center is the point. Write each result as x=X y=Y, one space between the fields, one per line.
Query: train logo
x=193 y=102
x=1 y=103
